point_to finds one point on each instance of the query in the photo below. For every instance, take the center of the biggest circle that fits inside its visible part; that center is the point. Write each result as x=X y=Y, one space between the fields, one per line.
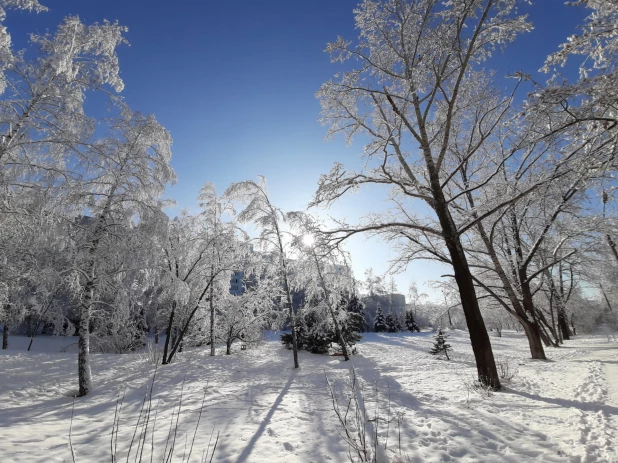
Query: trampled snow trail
x=596 y=427
x=598 y=417
x=562 y=410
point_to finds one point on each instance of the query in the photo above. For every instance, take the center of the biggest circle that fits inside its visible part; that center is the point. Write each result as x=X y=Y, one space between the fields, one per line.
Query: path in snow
x=599 y=390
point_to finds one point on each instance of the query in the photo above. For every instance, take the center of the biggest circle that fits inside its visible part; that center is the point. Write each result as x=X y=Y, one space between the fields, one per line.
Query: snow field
x=561 y=410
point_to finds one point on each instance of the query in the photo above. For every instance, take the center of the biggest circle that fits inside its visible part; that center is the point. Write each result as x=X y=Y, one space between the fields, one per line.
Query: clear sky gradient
x=235 y=83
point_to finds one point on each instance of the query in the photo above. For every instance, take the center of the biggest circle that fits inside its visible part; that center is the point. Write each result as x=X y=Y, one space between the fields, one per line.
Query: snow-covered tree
x=414 y=73
x=124 y=175
x=411 y=324
x=201 y=253
x=379 y=322
x=270 y=221
x=214 y=207
x=322 y=271
x=392 y=323
x=244 y=317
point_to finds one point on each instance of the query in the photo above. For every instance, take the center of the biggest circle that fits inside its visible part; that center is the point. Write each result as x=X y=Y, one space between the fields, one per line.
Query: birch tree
x=201 y=254
x=322 y=271
x=125 y=174
x=270 y=221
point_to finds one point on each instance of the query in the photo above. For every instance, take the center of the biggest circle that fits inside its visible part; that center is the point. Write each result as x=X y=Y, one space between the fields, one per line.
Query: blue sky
x=234 y=82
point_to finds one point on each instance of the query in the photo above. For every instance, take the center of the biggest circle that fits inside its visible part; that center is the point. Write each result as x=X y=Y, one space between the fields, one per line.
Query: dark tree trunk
x=168 y=334
x=612 y=245
x=479 y=338
x=533 y=333
x=609 y=306
x=481 y=344
x=5 y=336
x=84 y=373
x=563 y=325
x=212 y=316
x=286 y=287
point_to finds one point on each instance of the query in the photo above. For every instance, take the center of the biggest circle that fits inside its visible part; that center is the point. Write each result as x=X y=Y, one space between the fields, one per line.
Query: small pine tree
x=392 y=323
x=356 y=314
x=411 y=324
x=379 y=323
x=440 y=346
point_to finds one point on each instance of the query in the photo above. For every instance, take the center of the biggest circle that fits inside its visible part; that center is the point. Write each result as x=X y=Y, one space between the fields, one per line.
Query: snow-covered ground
x=561 y=410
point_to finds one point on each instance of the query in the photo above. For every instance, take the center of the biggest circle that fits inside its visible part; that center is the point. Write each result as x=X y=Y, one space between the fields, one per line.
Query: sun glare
x=308 y=240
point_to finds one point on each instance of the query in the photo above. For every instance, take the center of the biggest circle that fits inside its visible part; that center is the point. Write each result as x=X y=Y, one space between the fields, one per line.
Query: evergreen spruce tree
x=356 y=314
x=440 y=346
x=411 y=324
x=379 y=323
x=392 y=323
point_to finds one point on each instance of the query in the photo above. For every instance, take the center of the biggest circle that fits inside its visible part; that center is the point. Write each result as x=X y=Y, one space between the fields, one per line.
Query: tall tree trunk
x=612 y=245
x=168 y=334
x=481 y=344
x=563 y=321
x=84 y=373
x=156 y=324
x=609 y=306
x=288 y=295
x=533 y=333
x=551 y=310
x=212 y=315
x=5 y=336
x=563 y=324
x=228 y=342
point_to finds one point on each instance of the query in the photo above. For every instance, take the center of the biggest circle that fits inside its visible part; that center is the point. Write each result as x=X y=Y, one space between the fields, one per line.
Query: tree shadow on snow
x=265 y=422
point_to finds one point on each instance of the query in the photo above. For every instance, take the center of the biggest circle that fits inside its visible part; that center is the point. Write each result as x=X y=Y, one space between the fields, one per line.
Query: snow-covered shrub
x=152 y=354
x=505 y=370
x=143 y=445
x=365 y=432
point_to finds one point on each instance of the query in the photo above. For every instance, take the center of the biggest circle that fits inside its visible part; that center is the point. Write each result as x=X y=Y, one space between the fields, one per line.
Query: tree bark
x=563 y=321
x=481 y=344
x=168 y=335
x=286 y=285
x=84 y=373
x=612 y=245
x=563 y=324
x=228 y=343
x=212 y=316
x=533 y=333
x=5 y=336
x=609 y=306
